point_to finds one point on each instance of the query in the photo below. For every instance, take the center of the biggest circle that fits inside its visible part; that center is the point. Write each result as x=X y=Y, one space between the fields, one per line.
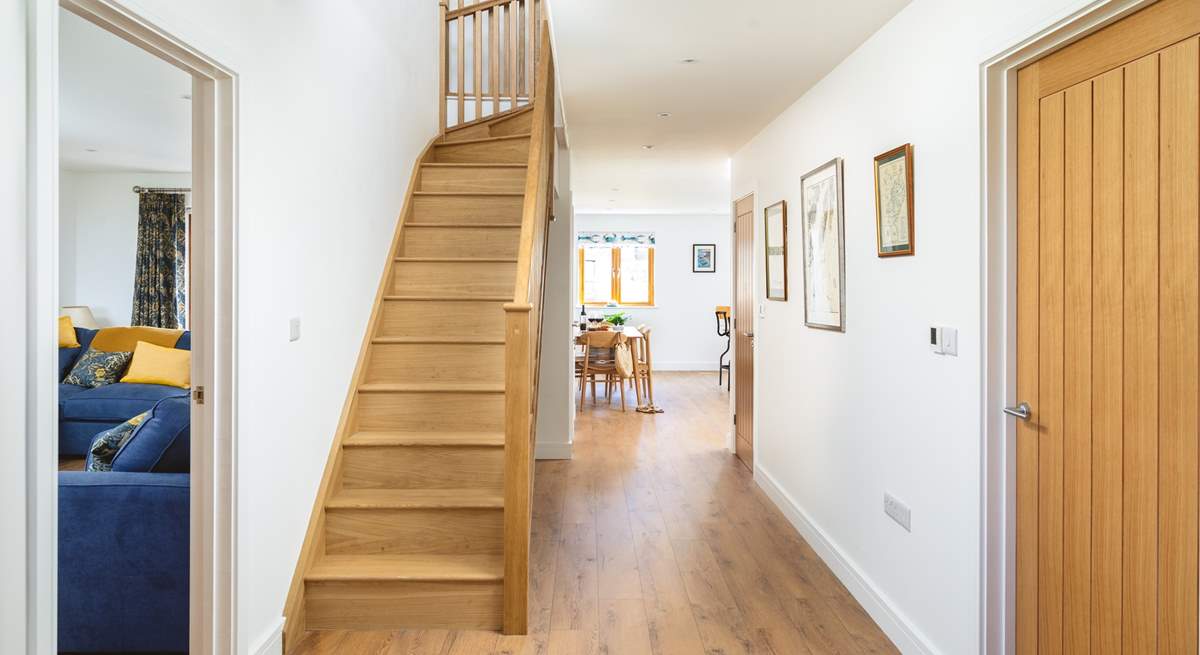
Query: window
x=616 y=274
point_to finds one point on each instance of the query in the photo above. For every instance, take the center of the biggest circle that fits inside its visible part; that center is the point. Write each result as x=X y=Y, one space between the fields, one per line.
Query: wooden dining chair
x=641 y=354
x=599 y=361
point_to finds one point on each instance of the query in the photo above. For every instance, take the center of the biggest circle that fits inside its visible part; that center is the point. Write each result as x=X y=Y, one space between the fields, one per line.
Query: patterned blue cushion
x=109 y=442
x=97 y=368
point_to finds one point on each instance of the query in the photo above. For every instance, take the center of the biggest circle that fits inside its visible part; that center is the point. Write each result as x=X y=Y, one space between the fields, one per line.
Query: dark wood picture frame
x=906 y=152
x=695 y=247
x=782 y=205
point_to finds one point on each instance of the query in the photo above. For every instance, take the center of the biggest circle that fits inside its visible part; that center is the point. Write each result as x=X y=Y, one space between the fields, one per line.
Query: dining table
x=634 y=336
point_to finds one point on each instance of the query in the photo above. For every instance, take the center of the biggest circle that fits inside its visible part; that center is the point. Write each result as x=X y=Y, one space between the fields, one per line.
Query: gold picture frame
x=895 y=224
x=775 y=249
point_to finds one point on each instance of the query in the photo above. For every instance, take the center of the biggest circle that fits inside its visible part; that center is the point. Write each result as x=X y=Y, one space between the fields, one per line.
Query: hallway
x=655 y=540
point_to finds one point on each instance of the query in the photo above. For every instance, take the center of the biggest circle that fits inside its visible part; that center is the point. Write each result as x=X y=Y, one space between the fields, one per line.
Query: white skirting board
x=894 y=624
x=272 y=642
x=667 y=365
x=556 y=450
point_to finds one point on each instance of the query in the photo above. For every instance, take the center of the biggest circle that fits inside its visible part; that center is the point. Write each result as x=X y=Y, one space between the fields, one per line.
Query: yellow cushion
x=66 y=333
x=125 y=339
x=157 y=365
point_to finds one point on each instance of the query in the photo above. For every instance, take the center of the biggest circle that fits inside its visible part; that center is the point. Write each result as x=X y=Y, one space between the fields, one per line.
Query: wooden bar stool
x=723 y=369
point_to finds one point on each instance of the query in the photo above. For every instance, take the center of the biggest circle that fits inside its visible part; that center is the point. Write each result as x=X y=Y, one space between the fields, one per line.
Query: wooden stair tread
x=385 y=439
x=485 y=225
x=478 y=341
x=459 y=260
x=448 y=298
x=486 y=139
x=423 y=567
x=430 y=387
x=508 y=194
x=416 y=499
x=437 y=164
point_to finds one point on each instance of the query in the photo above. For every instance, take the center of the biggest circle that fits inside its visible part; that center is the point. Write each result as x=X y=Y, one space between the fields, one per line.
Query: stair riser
x=412 y=318
x=380 y=605
x=519 y=124
x=423 y=468
x=475 y=178
x=436 y=362
x=454 y=278
x=461 y=242
x=467 y=209
x=413 y=531
x=507 y=151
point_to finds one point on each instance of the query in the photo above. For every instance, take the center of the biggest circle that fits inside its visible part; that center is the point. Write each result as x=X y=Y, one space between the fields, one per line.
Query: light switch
x=294 y=329
x=949 y=341
x=943 y=340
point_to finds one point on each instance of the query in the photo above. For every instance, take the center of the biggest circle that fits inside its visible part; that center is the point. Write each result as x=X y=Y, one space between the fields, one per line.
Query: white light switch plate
x=898 y=511
x=294 y=329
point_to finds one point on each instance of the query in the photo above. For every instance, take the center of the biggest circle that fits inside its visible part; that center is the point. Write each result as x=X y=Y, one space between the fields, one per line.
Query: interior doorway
x=207 y=507
x=743 y=327
x=1108 y=373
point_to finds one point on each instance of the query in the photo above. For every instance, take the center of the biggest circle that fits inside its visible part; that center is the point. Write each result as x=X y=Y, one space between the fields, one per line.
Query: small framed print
x=775 y=243
x=894 y=201
x=704 y=258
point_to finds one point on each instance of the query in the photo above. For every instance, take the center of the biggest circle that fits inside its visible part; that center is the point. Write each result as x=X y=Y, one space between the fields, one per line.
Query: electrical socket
x=898 y=511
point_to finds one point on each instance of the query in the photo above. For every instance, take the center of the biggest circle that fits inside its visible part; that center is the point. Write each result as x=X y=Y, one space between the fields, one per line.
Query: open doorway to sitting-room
x=133 y=179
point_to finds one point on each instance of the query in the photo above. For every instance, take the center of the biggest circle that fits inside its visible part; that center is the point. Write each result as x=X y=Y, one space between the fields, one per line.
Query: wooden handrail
x=522 y=345
x=504 y=47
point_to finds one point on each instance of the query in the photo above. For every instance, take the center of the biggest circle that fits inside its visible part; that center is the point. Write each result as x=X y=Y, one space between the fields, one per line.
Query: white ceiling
x=121 y=101
x=619 y=63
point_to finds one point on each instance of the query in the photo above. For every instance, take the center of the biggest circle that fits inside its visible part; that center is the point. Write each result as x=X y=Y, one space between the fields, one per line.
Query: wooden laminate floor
x=654 y=540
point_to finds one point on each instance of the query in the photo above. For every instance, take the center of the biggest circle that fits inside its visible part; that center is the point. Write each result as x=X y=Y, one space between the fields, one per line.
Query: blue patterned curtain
x=160 y=274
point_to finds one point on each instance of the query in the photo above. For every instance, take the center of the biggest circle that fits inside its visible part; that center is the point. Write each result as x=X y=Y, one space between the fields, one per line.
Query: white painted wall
x=556 y=406
x=843 y=418
x=13 y=246
x=685 y=329
x=97 y=237
x=335 y=101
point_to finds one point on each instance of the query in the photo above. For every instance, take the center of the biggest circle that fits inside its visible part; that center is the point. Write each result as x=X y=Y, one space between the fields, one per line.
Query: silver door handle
x=749 y=334
x=1022 y=411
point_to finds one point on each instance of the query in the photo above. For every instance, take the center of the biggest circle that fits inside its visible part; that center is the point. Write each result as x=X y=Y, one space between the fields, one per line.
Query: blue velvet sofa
x=83 y=413
x=124 y=542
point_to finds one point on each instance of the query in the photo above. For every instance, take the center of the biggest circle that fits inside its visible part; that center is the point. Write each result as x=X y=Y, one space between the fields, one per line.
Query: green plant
x=619 y=318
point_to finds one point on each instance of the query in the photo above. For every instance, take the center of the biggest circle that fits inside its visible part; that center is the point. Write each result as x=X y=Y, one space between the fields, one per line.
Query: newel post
x=518 y=462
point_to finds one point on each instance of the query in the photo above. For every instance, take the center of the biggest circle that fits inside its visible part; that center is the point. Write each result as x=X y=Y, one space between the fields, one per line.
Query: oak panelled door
x=743 y=324
x=1107 y=334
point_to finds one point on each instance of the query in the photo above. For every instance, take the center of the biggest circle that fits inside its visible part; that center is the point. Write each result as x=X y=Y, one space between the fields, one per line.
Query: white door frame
x=998 y=104
x=212 y=624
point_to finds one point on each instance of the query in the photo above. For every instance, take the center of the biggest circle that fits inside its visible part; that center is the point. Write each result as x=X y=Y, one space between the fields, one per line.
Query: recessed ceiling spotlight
x=90 y=149
x=664 y=114
x=648 y=146
x=186 y=96
x=688 y=60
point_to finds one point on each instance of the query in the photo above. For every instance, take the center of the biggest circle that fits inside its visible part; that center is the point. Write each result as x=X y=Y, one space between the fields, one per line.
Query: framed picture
x=775 y=243
x=894 y=201
x=704 y=258
x=824 y=247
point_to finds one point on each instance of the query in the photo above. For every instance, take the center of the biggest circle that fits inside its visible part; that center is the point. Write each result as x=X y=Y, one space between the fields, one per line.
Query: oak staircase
x=422 y=517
